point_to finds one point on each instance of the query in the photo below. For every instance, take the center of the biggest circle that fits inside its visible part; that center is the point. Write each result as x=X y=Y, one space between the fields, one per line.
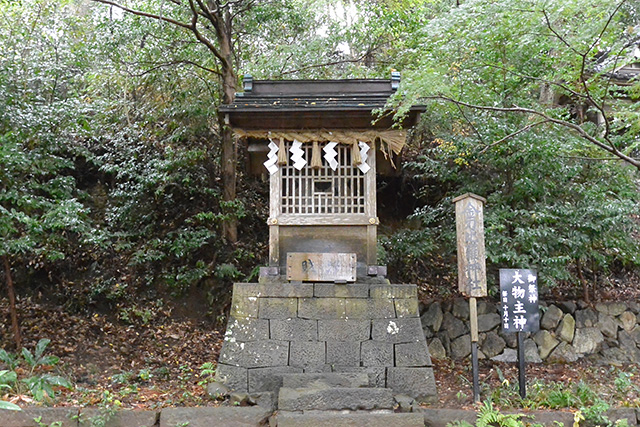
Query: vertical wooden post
x=473 y=317
x=472 y=276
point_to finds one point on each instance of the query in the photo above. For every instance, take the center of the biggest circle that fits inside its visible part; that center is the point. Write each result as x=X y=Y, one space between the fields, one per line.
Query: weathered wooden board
x=472 y=275
x=321 y=267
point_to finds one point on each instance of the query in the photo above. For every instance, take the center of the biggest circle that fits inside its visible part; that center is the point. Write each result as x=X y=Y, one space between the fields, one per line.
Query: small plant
x=39 y=422
x=207 y=372
x=38 y=381
x=489 y=416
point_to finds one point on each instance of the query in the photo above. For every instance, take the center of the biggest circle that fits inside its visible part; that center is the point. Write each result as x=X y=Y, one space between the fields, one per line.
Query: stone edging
x=253 y=416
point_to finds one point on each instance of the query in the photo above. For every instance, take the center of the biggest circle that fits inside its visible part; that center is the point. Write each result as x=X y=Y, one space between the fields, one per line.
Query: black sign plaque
x=519 y=300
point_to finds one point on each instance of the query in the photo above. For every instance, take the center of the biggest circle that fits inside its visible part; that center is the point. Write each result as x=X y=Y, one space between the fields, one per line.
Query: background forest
x=114 y=197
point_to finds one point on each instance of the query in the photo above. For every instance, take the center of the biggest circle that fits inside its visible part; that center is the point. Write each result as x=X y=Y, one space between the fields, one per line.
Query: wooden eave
x=314 y=104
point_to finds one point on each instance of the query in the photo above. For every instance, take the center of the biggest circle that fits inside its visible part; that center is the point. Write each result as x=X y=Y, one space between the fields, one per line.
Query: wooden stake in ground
x=12 y=303
x=472 y=276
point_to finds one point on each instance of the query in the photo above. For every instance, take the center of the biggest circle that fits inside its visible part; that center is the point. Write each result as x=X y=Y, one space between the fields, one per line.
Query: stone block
x=317 y=369
x=612 y=308
x=408 y=329
x=531 y=352
x=587 y=340
x=269 y=379
x=393 y=291
x=488 y=322
x=248 y=416
x=234 y=377
x=307 y=353
x=344 y=330
x=321 y=308
x=586 y=318
x=432 y=318
x=418 y=383
x=255 y=354
x=352 y=290
x=90 y=417
x=277 y=308
x=433 y=417
x=376 y=353
x=493 y=344
x=508 y=355
x=336 y=399
x=546 y=342
x=294 y=329
x=354 y=419
x=343 y=353
x=563 y=353
x=436 y=349
x=412 y=354
x=247 y=329
x=551 y=317
x=461 y=308
x=406 y=307
x=607 y=325
x=377 y=374
x=26 y=417
x=278 y=290
x=243 y=307
x=461 y=347
x=370 y=308
x=628 y=321
x=566 y=329
x=325 y=380
x=453 y=326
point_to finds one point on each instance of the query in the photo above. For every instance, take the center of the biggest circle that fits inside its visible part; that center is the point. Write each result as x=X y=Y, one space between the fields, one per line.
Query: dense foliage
x=110 y=147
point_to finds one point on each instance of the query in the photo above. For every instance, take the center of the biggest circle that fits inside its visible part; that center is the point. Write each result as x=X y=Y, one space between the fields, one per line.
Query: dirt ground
x=156 y=362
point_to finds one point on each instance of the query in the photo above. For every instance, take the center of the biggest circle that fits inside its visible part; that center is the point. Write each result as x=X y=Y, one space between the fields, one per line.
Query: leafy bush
x=37 y=380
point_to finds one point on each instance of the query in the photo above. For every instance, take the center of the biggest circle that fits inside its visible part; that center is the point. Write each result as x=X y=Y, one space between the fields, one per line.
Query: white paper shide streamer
x=297 y=155
x=364 y=149
x=272 y=158
x=330 y=155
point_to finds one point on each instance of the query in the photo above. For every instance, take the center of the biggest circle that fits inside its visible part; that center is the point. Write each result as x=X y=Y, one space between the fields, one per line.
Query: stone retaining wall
x=280 y=328
x=609 y=332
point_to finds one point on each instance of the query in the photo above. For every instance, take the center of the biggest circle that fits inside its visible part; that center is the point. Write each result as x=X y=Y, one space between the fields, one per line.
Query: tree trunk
x=585 y=284
x=229 y=151
x=12 y=303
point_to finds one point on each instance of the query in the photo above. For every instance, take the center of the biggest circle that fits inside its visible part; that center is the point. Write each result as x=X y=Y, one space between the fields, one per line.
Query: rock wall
x=608 y=332
x=283 y=328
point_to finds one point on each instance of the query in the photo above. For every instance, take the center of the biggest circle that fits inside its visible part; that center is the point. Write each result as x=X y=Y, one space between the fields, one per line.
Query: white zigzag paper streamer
x=272 y=158
x=330 y=155
x=364 y=149
x=297 y=154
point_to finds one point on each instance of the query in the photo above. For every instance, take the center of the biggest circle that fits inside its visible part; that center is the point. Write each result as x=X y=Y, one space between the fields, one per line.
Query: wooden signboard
x=321 y=267
x=472 y=275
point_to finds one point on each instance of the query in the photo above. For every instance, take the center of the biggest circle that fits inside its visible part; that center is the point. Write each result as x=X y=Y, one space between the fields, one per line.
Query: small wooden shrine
x=323 y=308
x=320 y=141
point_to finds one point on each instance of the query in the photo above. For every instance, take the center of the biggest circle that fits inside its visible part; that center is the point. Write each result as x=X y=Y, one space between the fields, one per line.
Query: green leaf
x=41 y=347
x=9 y=406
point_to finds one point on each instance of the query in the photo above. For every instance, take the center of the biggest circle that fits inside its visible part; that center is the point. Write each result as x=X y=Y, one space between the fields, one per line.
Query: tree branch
x=511 y=135
x=145 y=14
x=521 y=110
x=157 y=66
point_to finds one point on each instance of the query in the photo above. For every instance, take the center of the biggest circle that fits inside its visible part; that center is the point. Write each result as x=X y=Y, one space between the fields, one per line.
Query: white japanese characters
x=519 y=300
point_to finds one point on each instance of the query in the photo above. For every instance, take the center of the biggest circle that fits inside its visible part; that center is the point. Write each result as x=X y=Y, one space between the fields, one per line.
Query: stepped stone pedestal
x=280 y=328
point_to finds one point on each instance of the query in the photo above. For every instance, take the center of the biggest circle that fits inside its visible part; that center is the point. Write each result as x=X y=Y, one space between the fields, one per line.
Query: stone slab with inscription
x=321 y=267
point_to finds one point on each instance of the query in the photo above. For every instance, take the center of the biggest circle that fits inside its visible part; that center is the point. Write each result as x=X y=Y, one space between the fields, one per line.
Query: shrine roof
x=314 y=104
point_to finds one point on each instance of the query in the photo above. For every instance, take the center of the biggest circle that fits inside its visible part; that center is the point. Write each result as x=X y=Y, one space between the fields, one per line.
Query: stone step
x=338 y=398
x=349 y=419
x=327 y=379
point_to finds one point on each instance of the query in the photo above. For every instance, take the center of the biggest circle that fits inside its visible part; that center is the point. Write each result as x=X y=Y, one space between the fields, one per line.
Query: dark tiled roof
x=300 y=104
